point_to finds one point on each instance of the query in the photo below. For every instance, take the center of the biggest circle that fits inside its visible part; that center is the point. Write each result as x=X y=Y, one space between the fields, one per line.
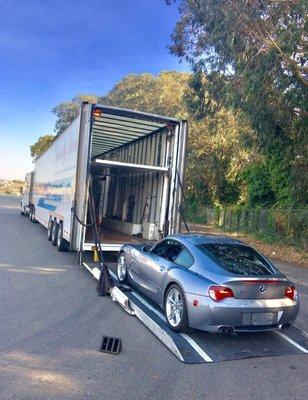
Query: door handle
x=162 y=269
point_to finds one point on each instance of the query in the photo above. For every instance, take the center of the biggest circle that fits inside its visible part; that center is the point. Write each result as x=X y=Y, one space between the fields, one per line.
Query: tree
x=254 y=57
x=68 y=111
x=41 y=145
x=161 y=94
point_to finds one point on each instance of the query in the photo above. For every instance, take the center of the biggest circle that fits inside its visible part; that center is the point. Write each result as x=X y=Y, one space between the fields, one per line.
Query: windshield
x=237 y=259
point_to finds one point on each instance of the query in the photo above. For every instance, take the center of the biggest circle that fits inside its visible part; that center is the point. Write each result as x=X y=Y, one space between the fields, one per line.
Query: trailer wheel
x=32 y=214
x=22 y=210
x=61 y=242
x=54 y=233
x=49 y=228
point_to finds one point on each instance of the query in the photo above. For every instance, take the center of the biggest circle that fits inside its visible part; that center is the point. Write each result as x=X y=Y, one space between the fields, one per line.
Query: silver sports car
x=216 y=284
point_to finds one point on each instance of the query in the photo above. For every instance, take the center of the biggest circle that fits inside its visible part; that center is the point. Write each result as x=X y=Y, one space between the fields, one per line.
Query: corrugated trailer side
x=54 y=181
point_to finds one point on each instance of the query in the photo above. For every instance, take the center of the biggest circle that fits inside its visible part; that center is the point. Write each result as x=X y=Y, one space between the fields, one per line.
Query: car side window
x=184 y=258
x=168 y=249
x=161 y=248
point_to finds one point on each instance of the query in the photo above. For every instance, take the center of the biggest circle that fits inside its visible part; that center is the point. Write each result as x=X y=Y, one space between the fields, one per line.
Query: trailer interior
x=132 y=155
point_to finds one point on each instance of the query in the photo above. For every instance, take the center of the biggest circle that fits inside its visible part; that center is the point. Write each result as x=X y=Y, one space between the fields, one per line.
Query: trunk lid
x=258 y=288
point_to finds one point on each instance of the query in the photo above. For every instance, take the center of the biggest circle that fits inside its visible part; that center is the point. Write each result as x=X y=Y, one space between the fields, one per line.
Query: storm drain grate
x=111 y=345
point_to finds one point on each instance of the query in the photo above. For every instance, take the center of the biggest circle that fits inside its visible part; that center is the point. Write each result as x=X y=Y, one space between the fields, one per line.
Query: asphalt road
x=52 y=321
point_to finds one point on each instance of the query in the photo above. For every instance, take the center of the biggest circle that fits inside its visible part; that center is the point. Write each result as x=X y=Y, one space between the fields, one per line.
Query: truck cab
x=26 y=200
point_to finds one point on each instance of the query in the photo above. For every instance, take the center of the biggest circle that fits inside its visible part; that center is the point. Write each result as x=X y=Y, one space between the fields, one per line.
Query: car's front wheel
x=176 y=309
x=121 y=269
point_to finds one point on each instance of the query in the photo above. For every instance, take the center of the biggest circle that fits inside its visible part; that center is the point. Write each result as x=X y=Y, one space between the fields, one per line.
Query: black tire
x=32 y=214
x=122 y=271
x=49 y=229
x=22 y=210
x=61 y=242
x=182 y=325
x=54 y=233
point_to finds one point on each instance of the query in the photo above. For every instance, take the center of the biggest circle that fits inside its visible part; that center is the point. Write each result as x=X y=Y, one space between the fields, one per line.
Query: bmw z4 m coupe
x=211 y=283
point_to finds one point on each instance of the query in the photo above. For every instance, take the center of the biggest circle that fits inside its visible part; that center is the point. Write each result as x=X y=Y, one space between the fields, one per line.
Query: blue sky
x=51 y=50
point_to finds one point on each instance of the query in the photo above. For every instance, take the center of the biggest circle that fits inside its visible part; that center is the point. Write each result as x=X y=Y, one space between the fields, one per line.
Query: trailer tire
x=54 y=233
x=32 y=214
x=22 y=210
x=61 y=242
x=49 y=228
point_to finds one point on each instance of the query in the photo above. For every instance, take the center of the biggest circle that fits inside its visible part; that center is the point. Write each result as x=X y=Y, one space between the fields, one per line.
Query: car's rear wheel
x=121 y=269
x=54 y=233
x=176 y=309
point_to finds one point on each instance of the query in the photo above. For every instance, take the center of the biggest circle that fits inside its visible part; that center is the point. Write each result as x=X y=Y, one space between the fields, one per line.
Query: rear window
x=237 y=259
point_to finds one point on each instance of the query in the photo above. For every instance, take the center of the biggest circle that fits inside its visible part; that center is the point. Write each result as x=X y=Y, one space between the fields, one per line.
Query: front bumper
x=210 y=315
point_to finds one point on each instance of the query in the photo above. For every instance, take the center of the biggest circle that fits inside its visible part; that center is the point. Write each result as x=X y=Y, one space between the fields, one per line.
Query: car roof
x=198 y=238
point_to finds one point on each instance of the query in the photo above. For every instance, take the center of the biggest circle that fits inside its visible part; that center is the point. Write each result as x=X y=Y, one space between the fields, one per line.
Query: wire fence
x=288 y=225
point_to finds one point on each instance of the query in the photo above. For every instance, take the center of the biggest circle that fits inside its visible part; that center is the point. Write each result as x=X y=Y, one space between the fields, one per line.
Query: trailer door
x=177 y=177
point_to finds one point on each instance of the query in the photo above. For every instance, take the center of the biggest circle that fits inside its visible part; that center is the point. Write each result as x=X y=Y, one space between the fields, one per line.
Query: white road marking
x=95 y=271
x=301 y=348
x=198 y=349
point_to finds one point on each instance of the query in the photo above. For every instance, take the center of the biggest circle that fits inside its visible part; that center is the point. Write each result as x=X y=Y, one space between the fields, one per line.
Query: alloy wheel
x=174 y=307
x=121 y=269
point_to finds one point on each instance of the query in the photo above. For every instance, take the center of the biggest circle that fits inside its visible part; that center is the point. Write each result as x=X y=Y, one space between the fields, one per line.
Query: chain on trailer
x=104 y=282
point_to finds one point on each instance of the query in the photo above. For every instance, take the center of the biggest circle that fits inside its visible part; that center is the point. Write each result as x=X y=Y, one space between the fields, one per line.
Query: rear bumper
x=237 y=313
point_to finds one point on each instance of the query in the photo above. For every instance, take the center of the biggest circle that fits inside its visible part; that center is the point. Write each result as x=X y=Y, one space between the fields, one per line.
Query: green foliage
x=161 y=94
x=254 y=57
x=68 y=111
x=41 y=145
x=259 y=190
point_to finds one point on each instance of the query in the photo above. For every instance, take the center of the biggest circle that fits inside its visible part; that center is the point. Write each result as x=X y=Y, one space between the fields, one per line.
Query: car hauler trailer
x=134 y=162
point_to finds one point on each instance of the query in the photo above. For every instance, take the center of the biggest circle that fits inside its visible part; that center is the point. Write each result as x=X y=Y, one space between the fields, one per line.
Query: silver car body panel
x=152 y=274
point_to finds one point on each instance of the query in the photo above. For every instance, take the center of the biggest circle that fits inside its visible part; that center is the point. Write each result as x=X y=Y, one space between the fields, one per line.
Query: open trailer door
x=136 y=161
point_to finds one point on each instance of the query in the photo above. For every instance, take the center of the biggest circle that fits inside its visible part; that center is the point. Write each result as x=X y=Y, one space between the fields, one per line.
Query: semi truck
x=133 y=165
x=27 y=192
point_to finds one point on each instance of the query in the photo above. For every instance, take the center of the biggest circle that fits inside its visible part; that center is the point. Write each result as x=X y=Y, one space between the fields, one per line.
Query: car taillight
x=219 y=293
x=290 y=292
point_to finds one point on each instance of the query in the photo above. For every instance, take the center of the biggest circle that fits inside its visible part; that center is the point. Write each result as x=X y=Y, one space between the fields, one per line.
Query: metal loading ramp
x=197 y=347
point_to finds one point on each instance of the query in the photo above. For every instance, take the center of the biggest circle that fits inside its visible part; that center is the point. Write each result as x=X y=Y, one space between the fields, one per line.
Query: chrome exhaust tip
x=229 y=330
x=284 y=327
